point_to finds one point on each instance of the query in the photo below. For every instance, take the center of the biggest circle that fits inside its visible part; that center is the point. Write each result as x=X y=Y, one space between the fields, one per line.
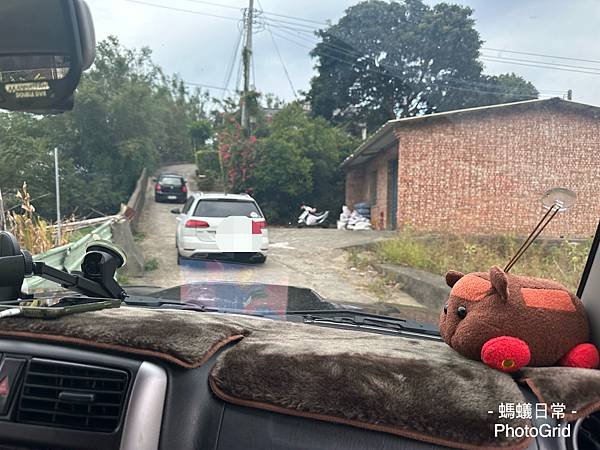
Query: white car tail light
x=194 y=223
x=258 y=226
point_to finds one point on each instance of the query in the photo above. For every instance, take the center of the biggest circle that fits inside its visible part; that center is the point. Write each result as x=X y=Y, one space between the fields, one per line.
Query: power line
x=238 y=80
x=292 y=26
x=208 y=86
x=287 y=75
x=171 y=8
x=389 y=75
x=296 y=18
x=541 y=55
x=348 y=52
x=215 y=4
x=475 y=86
x=507 y=61
x=550 y=64
x=233 y=60
x=300 y=19
x=287 y=22
x=310 y=30
x=356 y=54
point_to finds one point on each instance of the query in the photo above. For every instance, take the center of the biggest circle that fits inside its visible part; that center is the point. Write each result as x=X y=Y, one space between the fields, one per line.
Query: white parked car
x=200 y=218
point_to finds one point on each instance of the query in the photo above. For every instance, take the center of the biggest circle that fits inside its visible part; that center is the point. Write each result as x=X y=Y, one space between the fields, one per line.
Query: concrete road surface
x=301 y=257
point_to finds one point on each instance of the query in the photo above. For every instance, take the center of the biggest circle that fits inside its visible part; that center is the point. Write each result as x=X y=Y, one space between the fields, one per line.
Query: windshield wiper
x=337 y=318
x=342 y=318
x=153 y=302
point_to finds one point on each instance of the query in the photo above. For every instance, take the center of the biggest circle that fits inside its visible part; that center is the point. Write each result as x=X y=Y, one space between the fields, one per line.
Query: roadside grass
x=560 y=260
x=358 y=259
x=139 y=236
x=380 y=286
x=362 y=262
x=151 y=264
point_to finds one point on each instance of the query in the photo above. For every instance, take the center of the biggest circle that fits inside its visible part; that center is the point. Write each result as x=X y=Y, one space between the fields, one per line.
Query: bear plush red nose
x=510 y=321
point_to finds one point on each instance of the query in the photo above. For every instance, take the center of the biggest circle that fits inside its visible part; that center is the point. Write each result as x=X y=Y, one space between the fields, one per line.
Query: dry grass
x=560 y=260
x=33 y=233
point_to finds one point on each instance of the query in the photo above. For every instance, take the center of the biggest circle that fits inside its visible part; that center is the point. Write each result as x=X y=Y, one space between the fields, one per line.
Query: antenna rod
x=542 y=224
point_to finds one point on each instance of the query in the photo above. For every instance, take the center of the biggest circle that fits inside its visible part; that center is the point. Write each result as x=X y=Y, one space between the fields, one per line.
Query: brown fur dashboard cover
x=409 y=387
x=185 y=338
x=414 y=388
x=577 y=389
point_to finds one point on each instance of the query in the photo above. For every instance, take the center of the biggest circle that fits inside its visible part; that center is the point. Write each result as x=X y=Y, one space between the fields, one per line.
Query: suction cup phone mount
x=96 y=279
x=14 y=267
x=554 y=201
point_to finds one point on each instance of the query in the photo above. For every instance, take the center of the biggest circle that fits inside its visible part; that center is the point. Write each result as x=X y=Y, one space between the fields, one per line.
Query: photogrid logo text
x=543 y=430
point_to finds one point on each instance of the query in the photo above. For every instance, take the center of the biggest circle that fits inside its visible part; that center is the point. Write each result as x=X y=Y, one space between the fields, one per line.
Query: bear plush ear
x=499 y=282
x=452 y=277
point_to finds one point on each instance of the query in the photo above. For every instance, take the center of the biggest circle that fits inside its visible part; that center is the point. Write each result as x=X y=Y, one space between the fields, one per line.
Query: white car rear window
x=226 y=208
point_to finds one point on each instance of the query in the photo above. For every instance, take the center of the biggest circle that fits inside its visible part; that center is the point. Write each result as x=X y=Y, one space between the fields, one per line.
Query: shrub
x=560 y=260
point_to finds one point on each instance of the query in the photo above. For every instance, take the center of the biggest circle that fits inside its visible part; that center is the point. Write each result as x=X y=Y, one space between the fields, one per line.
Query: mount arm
x=75 y=282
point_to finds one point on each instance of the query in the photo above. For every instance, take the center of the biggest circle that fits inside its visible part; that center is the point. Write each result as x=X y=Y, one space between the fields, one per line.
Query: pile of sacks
x=353 y=220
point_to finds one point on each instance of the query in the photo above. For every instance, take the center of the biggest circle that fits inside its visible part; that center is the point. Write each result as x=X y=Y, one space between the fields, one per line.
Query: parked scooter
x=311 y=218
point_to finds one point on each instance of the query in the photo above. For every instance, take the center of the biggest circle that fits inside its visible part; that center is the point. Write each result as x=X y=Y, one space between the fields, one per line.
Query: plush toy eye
x=462 y=312
x=446 y=308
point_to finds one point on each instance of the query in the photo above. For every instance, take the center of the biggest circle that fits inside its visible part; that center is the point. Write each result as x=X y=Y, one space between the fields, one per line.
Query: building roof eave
x=360 y=153
x=391 y=125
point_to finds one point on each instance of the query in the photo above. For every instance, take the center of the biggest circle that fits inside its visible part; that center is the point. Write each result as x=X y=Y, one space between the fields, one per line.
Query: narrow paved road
x=301 y=257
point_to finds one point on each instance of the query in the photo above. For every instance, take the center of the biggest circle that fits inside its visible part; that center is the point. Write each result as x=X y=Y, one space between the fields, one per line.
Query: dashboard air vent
x=71 y=395
x=588 y=433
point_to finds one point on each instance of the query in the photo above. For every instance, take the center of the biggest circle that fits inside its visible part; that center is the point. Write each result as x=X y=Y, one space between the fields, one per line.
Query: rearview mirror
x=45 y=45
x=176 y=211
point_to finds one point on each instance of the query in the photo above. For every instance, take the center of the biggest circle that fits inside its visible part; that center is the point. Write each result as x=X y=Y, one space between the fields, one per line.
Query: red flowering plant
x=237 y=152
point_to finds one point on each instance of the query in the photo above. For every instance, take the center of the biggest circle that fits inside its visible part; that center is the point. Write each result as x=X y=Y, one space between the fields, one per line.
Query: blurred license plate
x=172 y=197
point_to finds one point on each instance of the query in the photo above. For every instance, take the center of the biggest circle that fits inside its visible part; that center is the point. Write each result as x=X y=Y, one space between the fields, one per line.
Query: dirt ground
x=313 y=258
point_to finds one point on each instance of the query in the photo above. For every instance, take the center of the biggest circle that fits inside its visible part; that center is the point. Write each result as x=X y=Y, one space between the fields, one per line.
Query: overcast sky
x=199 y=47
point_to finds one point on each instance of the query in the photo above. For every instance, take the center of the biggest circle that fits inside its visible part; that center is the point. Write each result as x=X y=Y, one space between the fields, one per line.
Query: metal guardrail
x=137 y=200
x=68 y=256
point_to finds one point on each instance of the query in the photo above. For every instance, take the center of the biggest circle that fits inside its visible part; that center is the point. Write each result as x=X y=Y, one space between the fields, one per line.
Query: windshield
x=375 y=145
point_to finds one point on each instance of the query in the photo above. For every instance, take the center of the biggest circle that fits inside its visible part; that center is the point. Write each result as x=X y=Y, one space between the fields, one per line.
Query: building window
x=373 y=188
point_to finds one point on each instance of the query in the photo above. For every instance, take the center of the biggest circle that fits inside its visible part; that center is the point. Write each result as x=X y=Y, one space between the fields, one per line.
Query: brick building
x=481 y=170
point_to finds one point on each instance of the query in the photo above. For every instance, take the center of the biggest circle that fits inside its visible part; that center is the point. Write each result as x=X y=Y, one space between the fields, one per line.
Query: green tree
x=508 y=87
x=299 y=162
x=387 y=60
x=128 y=115
x=201 y=131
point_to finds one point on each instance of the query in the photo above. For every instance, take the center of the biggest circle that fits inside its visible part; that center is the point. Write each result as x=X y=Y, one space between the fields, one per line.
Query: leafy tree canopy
x=293 y=158
x=387 y=60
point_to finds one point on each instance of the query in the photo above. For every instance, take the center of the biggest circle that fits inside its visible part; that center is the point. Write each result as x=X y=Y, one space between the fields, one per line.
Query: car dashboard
x=116 y=402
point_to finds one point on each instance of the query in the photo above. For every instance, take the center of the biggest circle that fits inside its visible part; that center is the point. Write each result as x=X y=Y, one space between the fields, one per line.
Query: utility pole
x=247 y=61
x=2 y=213
x=57 y=182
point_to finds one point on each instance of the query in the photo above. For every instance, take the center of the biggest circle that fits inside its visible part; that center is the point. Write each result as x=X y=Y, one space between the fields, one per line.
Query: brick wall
x=484 y=172
x=358 y=185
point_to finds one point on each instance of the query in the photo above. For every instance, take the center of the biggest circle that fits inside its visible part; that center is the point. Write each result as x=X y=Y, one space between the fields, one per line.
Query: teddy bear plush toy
x=509 y=321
